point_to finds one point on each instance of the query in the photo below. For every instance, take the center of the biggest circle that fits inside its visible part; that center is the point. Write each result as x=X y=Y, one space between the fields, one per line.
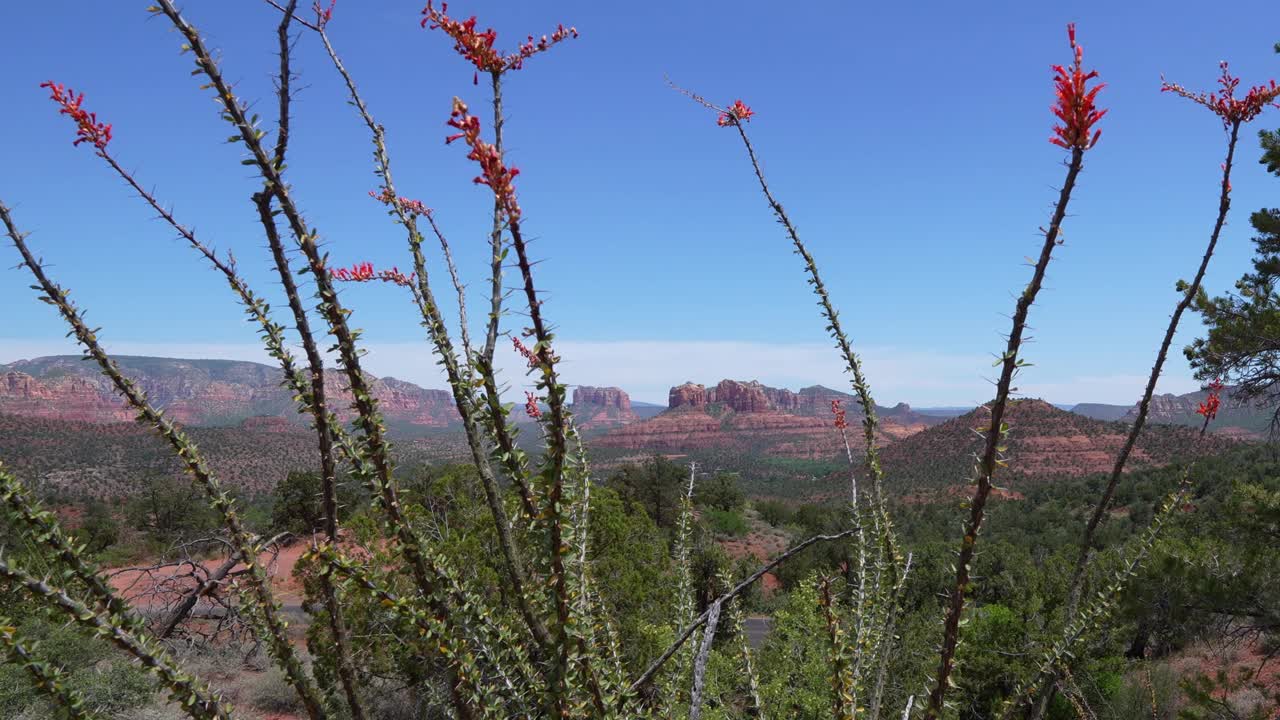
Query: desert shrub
x=107 y=679
x=98 y=528
x=726 y=522
x=167 y=509
x=721 y=491
x=793 y=660
x=774 y=512
x=298 y=505
x=269 y=691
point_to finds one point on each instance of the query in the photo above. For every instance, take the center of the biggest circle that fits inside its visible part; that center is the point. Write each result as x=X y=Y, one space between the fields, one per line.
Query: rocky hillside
x=1044 y=443
x=752 y=417
x=109 y=460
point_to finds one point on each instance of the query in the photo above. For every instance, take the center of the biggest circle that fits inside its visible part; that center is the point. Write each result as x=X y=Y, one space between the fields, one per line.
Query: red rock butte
x=602 y=407
x=752 y=416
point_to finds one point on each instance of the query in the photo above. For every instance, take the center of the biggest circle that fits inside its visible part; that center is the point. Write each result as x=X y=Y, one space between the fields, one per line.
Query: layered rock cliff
x=195 y=392
x=596 y=408
x=753 y=397
x=751 y=416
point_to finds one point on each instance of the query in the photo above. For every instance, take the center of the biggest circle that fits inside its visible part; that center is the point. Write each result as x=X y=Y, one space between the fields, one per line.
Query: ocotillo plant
x=547 y=647
x=1077 y=111
x=1234 y=113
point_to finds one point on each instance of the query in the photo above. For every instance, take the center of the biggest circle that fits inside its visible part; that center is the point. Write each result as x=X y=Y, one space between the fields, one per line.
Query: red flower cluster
x=364 y=272
x=477 y=47
x=526 y=352
x=1233 y=111
x=88 y=129
x=839 y=411
x=738 y=112
x=323 y=15
x=1076 y=106
x=492 y=171
x=531 y=405
x=413 y=207
x=1209 y=408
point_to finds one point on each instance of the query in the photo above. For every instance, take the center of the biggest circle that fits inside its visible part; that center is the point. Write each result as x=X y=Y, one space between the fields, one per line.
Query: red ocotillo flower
x=88 y=129
x=524 y=351
x=477 y=46
x=1209 y=408
x=365 y=272
x=738 y=112
x=493 y=172
x=1077 y=106
x=531 y=405
x=1232 y=110
x=839 y=411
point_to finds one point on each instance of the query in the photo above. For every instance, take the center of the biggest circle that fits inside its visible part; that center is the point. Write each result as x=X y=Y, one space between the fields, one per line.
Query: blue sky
x=908 y=141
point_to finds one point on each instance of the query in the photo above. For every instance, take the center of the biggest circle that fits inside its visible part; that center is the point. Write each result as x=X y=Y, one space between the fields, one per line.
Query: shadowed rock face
x=195 y=392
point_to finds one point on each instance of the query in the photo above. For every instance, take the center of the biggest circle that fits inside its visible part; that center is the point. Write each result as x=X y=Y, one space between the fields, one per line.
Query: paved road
x=758 y=629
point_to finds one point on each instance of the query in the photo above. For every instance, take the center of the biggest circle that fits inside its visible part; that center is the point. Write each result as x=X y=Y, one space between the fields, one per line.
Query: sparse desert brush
x=400 y=600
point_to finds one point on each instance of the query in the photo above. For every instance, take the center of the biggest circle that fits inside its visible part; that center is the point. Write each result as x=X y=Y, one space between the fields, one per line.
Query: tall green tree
x=656 y=486
x=1242 y=341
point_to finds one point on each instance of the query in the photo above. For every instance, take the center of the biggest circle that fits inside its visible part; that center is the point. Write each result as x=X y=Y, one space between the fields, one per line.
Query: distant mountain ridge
x=214 y=393
x=61 y=423
x=110 y=460
x=1236 y=418
x=1101 y=411
x=221 y=393
x=195 y=392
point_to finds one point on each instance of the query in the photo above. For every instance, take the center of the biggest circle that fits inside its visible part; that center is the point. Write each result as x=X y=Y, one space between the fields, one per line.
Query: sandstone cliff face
x=751 y=416
x=753 y=397
x=610 y=397
x=195 y=392
x=745 y=397
x=596 y=408
x=398 y=400
x=690 y=395
x=59 y=398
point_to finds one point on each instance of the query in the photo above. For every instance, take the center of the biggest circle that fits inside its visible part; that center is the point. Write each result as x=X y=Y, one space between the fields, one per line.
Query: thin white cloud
x=647 y=369
x=11 y=349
